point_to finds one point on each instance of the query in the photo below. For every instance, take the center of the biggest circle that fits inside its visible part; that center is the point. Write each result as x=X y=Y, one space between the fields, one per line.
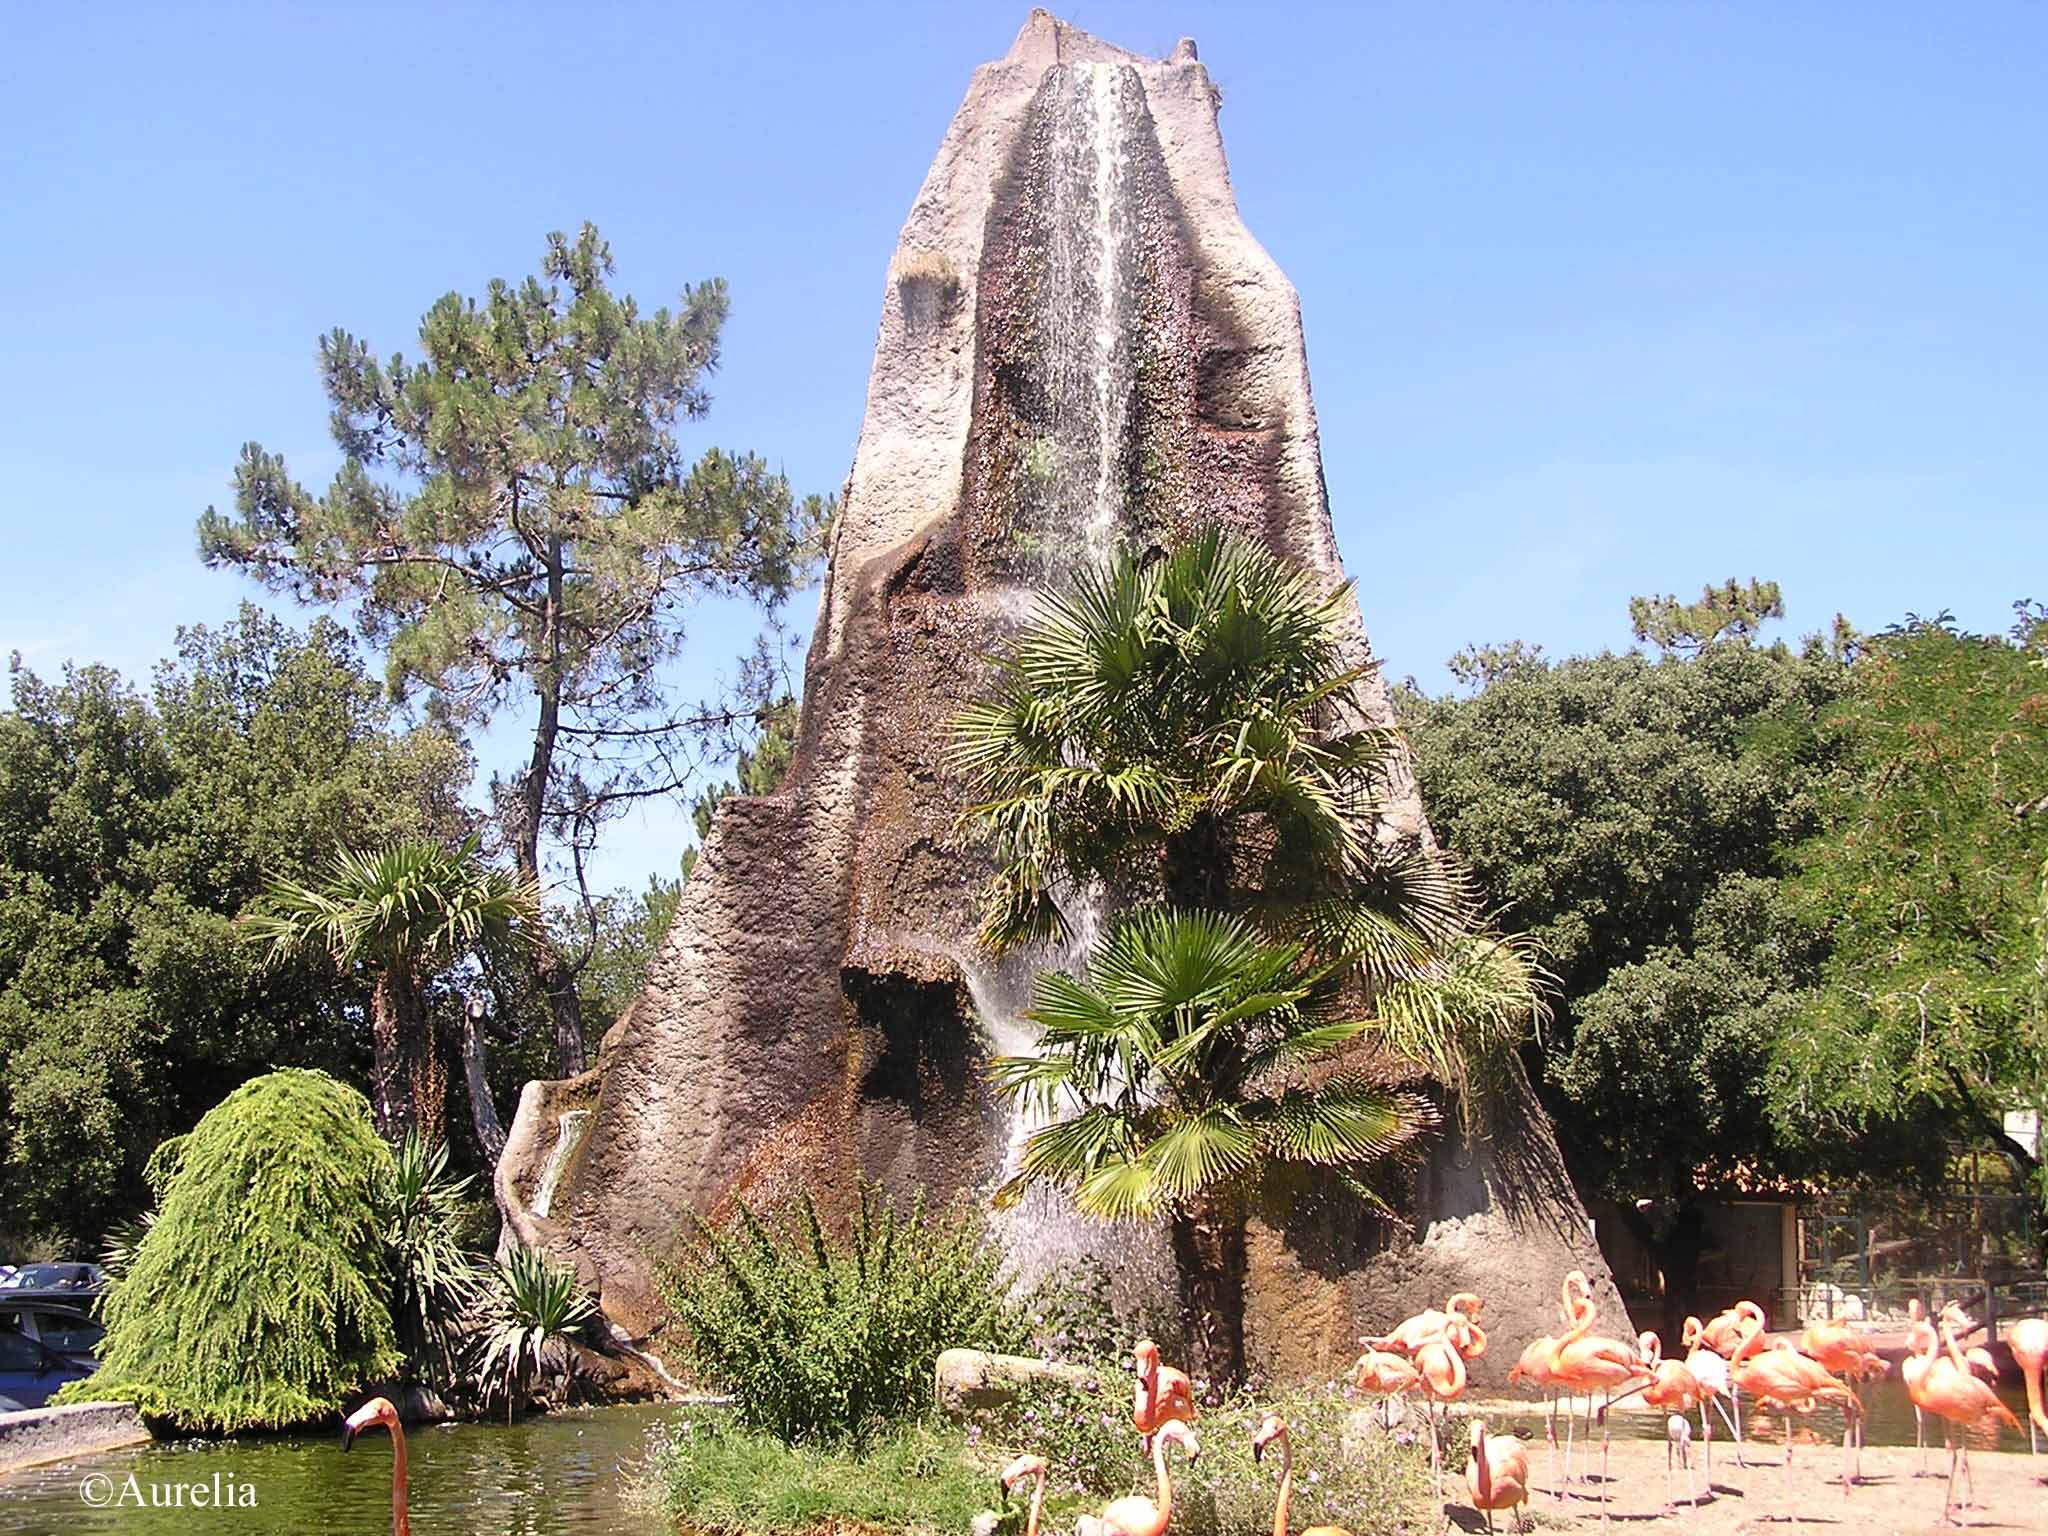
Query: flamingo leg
x=1550 y=1434
x=1920 y=1438
x=1692 y=1487
x=1605 y=1501
x=1949 y=1499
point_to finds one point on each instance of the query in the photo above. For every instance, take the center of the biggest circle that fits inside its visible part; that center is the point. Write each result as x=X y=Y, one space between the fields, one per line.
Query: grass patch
x=919 y=1477
x=929 y=1476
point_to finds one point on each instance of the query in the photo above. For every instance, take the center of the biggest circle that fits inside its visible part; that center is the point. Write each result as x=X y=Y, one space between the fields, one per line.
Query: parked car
x=70 y=1331
x=30 y=1371
x=86 y=1279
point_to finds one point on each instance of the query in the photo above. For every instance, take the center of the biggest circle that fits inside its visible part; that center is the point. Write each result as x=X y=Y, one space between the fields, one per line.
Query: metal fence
x=1865 y=1256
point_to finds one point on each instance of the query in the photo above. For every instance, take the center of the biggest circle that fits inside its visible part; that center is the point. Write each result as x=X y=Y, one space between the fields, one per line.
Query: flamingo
x=1791 y=1382
x=1496 y=1477
x=378 y=1411
x=1275 y=1428
x=1412 y=1333
x=1386 y=1377
x=1015 y=1473
x=1946 y=1385
x=1162 y=1394
x=2029 y=1341
x=1441 y=1365
x=1849 y=1354
x=1711 y=1372
x=1673 y=1387
x=1136 y=1515
x=1589 y=1363
x=1535 y=1366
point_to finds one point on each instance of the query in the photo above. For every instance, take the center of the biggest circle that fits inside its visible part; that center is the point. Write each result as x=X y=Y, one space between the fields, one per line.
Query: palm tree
x=402 y=914
x=1190 y=718
x=1199 y=1067
x=1183 y=727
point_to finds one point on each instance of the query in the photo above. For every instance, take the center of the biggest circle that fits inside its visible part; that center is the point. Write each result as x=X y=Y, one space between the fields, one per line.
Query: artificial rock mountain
x=1080 y=342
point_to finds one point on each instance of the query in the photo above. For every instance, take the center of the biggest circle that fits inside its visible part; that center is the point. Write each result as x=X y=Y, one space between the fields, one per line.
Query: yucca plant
x=536 y=1317
x=401 y=914
x=422 y=1212
x=1188 y=1075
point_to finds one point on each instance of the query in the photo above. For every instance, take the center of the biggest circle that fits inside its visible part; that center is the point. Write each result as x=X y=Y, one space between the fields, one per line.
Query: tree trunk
x=1195 y=867
x=391 y=1061
x=483 y=1111
x=1209 y=1253
x=555 y=979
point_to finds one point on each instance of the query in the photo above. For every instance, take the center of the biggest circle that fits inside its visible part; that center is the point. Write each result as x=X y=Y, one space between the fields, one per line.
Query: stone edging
x=37 y=1435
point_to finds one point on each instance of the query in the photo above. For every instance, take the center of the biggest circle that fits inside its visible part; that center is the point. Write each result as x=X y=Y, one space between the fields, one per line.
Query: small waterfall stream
x=1086 y=306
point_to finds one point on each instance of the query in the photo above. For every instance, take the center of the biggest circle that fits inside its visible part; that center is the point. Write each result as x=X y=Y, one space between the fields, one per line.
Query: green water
x=561 y=1474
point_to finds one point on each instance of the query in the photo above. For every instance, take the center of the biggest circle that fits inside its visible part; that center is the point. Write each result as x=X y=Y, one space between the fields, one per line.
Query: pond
x=560 y=1474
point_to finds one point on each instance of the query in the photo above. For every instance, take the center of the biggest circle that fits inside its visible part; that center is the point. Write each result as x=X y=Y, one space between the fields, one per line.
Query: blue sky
x=1600 y=298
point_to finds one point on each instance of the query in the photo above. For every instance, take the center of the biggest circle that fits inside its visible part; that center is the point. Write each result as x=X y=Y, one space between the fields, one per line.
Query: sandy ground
x=2012 y=1490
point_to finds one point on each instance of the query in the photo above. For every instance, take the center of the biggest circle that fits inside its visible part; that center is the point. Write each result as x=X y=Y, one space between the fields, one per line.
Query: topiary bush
x=820 y=1339
x=261 y=1296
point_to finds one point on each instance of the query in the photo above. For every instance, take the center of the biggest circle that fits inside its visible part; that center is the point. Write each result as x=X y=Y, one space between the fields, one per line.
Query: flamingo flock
x=1425 y=1355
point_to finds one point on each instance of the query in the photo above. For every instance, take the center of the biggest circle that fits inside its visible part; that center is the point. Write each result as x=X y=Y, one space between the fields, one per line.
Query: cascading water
x=1084 y=311
x=1085 y=307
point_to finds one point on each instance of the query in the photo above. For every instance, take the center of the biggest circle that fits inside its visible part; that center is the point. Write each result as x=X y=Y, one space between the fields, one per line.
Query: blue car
x=30 y=1370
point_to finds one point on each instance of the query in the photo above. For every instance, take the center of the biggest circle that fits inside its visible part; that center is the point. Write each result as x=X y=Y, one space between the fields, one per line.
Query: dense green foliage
x=819 y=1338
x=261 y=1297
x=1182 y=1069
x=1632 y=814
x=402 y=913
x=1929 y=882
x=536 y=1317
x=517 y=524
x=132 y=832
x=1185 y=728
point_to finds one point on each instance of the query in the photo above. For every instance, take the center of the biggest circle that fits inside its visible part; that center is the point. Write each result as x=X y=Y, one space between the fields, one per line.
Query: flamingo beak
x=1258 y=1450
x=348 y=1435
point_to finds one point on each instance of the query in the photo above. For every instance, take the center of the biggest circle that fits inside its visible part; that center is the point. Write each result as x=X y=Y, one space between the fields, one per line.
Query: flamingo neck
x=1286 y=1486
x=1752 y=1338
x=1485 y=1469
x=401 y=1521
x=1037 y=1503
x=1165 y=1500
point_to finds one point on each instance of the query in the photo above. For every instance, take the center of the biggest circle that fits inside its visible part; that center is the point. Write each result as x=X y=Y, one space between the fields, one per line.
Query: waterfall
x=1086 y=311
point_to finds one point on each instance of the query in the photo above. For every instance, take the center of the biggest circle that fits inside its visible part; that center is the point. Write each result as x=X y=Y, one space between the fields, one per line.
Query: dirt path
x=1890 y=1501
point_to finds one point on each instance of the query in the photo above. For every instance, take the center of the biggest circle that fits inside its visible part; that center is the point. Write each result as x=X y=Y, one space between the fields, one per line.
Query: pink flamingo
x=1441 y=1365
x=1790 y=1382
x=1136 y=1515
x=1590 y=1364
x=1015 y=1473
x=1849 y=1354
x=1162 y=1394
x=1386 y=1377
x=1711 y=1372
x=1497 y=1476
x=378 y=1412
x=1672 y=1387
x=1946 y=1385
x=1275 y=1428
x=1412 y=1333
x=2029 y=1341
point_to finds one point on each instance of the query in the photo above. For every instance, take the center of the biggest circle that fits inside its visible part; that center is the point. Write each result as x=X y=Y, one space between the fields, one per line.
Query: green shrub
x=716 y=1477
x=536 y=1315
x=260 y=1298
x=823 y=1339
x=422 y=1216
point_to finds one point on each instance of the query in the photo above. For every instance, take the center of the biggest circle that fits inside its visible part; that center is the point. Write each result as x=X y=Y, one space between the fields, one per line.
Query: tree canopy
x=132 y=831
x=517 y=524
x=1929 y=880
